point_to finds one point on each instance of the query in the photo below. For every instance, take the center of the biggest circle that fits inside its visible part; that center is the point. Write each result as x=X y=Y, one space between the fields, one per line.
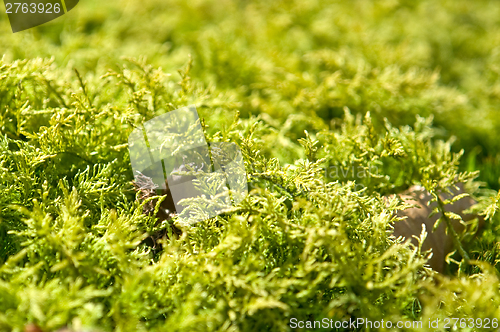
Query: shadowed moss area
x=335 y=105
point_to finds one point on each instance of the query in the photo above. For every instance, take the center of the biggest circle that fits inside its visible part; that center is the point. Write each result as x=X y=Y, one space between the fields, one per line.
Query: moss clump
x=333 y=112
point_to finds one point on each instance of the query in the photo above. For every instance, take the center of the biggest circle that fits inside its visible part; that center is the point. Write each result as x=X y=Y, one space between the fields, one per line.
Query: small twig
x=454 y=235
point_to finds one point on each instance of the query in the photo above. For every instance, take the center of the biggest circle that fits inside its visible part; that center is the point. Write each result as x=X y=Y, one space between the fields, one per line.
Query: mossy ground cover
x=335 y=105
